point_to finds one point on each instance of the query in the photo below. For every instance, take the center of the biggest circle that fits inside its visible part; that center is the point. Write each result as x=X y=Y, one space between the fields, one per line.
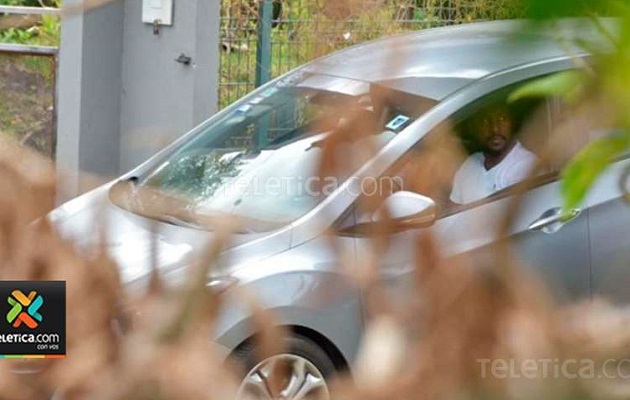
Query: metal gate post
x=263 y=48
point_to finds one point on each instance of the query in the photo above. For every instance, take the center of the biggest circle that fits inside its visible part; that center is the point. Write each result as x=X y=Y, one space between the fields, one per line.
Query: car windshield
x=259 y=161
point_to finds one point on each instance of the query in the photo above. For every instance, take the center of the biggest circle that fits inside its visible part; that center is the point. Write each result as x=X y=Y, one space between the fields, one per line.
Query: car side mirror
x=407 y=209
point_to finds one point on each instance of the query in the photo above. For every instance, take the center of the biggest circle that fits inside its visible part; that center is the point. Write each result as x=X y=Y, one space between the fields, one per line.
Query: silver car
x=258 y=159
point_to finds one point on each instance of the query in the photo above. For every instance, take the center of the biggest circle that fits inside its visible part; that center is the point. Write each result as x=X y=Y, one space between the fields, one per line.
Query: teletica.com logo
x=24 y=309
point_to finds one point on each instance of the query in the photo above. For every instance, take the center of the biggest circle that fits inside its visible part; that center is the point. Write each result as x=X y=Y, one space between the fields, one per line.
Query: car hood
x=91 y=220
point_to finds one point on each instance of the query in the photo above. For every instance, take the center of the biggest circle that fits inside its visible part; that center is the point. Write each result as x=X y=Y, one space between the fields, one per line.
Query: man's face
x=495 y=130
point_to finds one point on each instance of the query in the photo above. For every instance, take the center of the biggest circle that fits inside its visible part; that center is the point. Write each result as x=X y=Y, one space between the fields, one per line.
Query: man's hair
x=494 y=109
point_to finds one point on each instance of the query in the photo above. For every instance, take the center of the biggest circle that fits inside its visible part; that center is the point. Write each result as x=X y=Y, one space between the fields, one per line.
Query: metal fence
x=262 y=39
x=27 y=88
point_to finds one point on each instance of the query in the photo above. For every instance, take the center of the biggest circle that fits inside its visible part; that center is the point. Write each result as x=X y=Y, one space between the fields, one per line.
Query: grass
x=44 y=34
x=27 y=86
x=26 y=100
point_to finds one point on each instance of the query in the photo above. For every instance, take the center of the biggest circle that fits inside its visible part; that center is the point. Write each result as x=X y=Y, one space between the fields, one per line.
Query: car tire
x=302 y=353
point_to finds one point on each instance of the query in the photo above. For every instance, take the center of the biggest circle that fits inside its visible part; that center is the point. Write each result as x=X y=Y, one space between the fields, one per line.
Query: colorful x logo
x=24 y=309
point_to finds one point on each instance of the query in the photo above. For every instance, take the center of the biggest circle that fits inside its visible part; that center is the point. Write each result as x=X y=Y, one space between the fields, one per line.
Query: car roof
x=436 y=62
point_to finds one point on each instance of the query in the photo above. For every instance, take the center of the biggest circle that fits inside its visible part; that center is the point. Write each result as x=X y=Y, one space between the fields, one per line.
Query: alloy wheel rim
x=284 y=377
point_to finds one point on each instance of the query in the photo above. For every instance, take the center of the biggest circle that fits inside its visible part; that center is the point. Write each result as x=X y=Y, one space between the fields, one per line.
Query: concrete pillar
x=88 y=90
x=161 y=98
x=122 y=95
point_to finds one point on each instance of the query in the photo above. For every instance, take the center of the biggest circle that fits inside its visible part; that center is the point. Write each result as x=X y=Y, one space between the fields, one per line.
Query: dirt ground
x=27 y=101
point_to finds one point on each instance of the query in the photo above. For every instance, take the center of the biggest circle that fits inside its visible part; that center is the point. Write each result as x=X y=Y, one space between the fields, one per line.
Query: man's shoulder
x=474 y=160
x=472 y=165
x=521 y=154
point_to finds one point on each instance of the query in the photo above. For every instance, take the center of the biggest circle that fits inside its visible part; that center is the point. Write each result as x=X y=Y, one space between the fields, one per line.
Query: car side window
x=572 y=129
x=498 y=160
x=495 y=147
x=484 y=150
x=568 y=134
x=549 y=133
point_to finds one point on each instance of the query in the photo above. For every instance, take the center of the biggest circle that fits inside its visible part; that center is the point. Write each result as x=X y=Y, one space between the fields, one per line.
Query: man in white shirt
x=502 y=162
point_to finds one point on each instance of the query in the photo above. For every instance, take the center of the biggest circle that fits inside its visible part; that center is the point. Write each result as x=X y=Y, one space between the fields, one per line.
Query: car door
x=557 y=252
x=609 y=221
x=608 y=212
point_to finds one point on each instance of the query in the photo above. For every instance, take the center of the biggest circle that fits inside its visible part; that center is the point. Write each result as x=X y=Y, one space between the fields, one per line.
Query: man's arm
x=520 y=171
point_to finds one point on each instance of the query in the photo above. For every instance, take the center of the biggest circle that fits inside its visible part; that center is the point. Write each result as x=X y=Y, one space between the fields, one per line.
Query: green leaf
x=545 y=9
x=583 y=170
x=568 y=85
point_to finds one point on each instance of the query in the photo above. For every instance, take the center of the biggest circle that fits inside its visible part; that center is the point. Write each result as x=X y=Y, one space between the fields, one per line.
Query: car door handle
x=553 y=219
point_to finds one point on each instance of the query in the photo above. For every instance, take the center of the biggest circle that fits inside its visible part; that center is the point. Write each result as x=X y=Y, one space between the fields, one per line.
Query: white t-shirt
x=473 y=182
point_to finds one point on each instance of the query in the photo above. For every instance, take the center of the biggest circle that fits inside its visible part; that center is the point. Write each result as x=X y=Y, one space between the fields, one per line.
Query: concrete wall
x=121 y=94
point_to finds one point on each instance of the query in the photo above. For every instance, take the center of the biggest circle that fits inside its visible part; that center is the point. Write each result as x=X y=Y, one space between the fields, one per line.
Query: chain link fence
x=262 y=39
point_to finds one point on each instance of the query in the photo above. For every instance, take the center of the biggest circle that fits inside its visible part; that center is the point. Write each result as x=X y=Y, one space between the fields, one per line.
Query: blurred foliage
x=458 y=11
x=461 y=314
x=545 y=9
x=582 y=172
x=568 y=85
x=603 y=84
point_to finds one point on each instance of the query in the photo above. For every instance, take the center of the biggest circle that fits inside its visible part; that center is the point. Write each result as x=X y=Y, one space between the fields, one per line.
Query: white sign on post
x=157 y=12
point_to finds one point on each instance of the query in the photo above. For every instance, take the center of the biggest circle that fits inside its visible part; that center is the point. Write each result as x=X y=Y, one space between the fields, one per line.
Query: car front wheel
x=303 y=371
